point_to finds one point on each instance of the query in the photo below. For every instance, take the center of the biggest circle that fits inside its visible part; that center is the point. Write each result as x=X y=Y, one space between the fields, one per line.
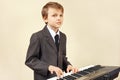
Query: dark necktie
x=57 y=41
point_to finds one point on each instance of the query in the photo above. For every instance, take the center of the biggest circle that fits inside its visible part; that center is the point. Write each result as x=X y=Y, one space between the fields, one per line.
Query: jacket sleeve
x=33 y=56
x=65 y=60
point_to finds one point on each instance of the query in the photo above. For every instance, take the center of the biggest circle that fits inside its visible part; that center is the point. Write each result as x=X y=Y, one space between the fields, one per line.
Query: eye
x=54 y=15
x=61 y=15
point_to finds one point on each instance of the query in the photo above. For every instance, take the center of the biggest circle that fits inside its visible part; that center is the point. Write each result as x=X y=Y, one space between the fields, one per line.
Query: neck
x=54 y=29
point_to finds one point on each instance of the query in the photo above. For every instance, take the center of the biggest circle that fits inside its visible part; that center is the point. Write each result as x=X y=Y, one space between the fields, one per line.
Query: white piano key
x=86 y=67
x=66 y=74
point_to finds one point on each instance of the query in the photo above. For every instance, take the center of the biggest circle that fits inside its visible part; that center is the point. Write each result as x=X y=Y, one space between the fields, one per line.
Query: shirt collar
x=52 y=32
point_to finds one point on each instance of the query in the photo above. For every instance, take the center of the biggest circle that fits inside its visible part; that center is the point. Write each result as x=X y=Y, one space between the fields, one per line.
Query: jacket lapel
x=49 y=38
x=61 y=42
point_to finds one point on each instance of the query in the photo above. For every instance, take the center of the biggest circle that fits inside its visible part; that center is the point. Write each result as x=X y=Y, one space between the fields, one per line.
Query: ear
x=45 y=20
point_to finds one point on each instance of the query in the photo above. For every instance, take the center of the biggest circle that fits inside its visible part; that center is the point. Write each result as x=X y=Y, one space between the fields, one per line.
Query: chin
x=58 y=26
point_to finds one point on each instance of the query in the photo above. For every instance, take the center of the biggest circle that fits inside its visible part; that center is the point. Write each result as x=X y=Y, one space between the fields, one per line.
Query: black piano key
x=82 y=73
x=76 y=75
x=92 y=69
x=69 y=77
x=88 y=70
x=97 y=67
x=60 y=79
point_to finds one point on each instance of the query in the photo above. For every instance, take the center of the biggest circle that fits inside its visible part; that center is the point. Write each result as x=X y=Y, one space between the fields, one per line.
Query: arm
x=65 y=61
x=33 y=57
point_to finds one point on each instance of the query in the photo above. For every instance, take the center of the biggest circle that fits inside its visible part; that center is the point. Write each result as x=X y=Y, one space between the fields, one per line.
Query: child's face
x=55 y=18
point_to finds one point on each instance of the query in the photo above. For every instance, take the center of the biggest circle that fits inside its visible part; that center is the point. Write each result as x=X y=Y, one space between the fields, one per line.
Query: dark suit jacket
x=42 y=52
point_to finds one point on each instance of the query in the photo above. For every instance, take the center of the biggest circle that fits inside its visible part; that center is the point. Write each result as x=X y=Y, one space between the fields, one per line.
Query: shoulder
x=62 y=34
x=37 y=35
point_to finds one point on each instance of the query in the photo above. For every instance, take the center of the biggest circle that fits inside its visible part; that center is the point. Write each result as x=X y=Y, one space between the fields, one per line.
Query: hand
x=71 y=68
x=57 y=70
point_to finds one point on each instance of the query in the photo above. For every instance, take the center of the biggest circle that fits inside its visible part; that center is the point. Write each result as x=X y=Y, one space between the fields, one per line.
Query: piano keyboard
x=92 y=72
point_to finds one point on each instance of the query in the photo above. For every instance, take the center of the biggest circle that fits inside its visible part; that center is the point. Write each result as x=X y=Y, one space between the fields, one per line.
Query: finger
x=68 y=69
x=61 y=72
x=73 y=70
x=51 y=71
x=58 y=74
x=76 y=70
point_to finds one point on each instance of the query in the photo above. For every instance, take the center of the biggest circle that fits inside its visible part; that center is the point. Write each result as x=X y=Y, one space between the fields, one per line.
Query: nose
x=59 y=17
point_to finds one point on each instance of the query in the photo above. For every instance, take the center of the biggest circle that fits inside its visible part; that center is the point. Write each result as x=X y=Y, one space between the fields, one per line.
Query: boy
x=46 y=55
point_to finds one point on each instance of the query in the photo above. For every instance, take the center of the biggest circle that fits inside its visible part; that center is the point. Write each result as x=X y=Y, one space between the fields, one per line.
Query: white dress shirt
x=53 y=33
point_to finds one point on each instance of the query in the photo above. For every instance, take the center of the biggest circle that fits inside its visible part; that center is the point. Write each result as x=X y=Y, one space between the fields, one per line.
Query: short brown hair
x=45 y=8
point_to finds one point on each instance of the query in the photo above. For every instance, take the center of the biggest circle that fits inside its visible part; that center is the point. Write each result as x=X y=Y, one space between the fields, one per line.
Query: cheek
x=50 y=19
x=61 y=20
